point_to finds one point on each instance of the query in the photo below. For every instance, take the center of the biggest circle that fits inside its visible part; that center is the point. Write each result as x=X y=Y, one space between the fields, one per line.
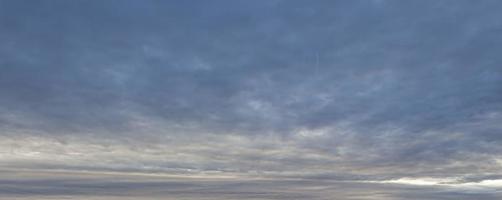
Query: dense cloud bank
x=95 y=186
x=320 y=90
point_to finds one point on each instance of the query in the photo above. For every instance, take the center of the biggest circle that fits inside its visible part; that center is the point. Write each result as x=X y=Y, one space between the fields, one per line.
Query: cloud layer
x=372 y=91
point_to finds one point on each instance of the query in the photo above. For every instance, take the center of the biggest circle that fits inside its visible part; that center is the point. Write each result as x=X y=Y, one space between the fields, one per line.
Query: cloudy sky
x=239 y=99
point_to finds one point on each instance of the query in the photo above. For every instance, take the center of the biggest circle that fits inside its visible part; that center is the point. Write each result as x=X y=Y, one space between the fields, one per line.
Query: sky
x=238 y=99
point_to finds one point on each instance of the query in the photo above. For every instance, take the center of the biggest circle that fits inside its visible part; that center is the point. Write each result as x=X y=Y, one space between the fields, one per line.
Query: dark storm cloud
x=378 y=89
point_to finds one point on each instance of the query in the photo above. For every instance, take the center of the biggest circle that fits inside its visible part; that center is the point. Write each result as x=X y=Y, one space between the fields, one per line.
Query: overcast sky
x=241 y=99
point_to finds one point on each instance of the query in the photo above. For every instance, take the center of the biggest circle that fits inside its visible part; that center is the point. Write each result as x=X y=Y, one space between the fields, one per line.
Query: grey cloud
x=96 y=186
x=321 y=90
x=112 y=63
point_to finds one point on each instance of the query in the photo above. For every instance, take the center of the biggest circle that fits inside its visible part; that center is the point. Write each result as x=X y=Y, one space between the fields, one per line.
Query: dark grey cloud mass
x=400 y=98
